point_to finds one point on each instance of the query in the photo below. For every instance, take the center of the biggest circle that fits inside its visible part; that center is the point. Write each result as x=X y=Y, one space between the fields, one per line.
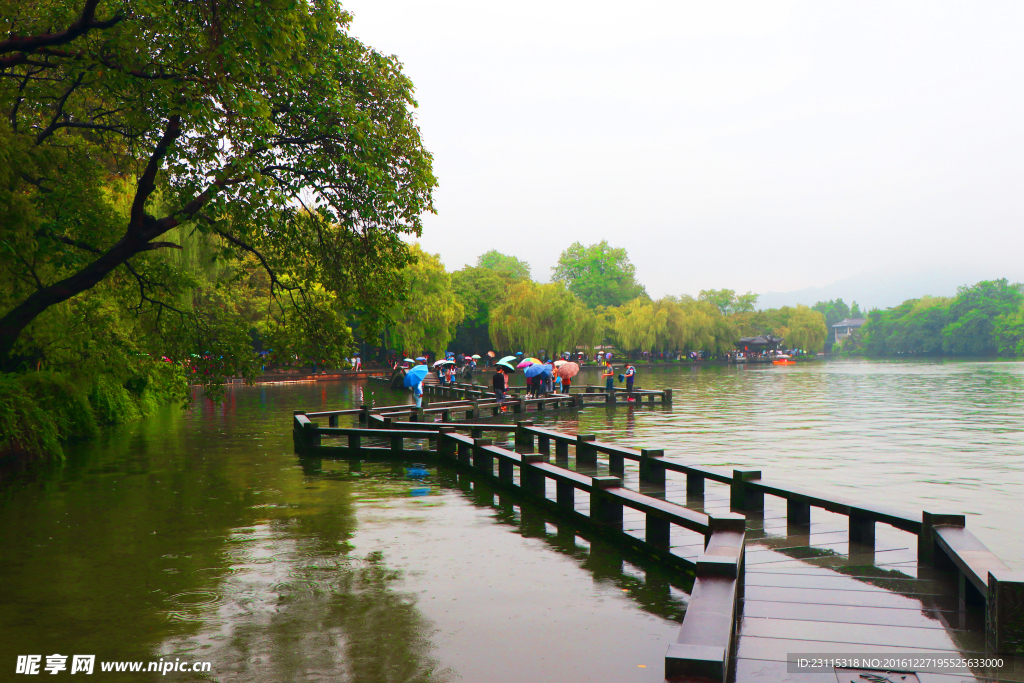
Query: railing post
x=465 y=453
x=531 y=479
x=311 y=435
x=604 y=509
x=658 y=532
x=446 y=445
x=694 y=484
x=332 y=420
x=740 y=495
x=544 y=444
x=396 y=444
x=524 y=438
x=506 y=472
x=364 y=413
x=561 y=452
x=798 y=512
x=652 y=467
x=862 y=529
x=565 y=495
x=297 y=437
x=584 y=452
x=928 y=551
x=354 y=443
x=483 y=462
x=1004 y=612
x=617 y=464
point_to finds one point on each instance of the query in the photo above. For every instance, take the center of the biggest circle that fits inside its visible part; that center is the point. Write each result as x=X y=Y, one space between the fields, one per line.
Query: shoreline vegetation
x=174 y=212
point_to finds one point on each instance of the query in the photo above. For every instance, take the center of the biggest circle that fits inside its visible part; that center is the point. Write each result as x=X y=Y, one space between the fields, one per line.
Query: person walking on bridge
x=500 y=385
x=630 y=376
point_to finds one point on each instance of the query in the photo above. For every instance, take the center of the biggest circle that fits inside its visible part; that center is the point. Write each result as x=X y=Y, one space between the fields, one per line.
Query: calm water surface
x=936 y=436
x=199 y=536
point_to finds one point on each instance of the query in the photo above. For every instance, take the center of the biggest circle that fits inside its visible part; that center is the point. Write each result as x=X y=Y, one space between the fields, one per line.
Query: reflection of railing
x=705 y=642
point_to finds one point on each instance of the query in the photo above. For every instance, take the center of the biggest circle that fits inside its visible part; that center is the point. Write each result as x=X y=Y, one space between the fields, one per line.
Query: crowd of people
x=545 y=381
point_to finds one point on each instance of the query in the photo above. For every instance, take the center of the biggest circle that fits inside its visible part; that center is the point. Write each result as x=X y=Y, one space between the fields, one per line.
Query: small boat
x=783 y=359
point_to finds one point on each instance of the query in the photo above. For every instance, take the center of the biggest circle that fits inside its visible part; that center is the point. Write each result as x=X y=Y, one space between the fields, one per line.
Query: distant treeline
x=986 y=319
x=594 y=300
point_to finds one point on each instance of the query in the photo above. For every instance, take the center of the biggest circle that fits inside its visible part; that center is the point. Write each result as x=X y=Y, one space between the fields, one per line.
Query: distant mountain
x=887 y=288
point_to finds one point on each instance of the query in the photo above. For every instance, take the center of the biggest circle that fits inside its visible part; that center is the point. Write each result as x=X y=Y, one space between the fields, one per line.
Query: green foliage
x=834 y=311
x=979 y=321
x=670 y=325
x=427 y=318
x=65 y=403
x=1009 y=332
x=113 y=402
x=479 y=289
x=507 y=265
x=533 y=317
x=154 y=137
x=599 y=275
x=26 y=429
x=805 y=330
x=727 y=301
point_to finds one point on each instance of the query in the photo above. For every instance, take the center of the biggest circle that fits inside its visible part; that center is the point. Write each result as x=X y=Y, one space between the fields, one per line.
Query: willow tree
x=638 y=324
x=550 y=317
x=264 y=126
x=426 y=318
x=806 y=329
x=692 y=325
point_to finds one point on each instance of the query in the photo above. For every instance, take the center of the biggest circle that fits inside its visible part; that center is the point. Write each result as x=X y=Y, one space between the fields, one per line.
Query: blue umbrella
x=415 y=376
x=537 y=369
x=420 y=358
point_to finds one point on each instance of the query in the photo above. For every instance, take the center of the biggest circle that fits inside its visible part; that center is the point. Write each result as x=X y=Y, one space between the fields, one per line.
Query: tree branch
x=266 y=266
x=48 y=131
x=147 y=182
x=86 y=22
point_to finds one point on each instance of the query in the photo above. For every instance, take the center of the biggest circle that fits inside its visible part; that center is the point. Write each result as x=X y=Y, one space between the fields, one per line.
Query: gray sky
x=765 y=146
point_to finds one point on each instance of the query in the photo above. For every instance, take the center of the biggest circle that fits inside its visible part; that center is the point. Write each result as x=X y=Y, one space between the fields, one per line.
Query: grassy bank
x=42 y=411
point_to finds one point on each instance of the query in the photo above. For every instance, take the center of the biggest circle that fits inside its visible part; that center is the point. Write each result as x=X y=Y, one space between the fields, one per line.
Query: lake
x=198 y=536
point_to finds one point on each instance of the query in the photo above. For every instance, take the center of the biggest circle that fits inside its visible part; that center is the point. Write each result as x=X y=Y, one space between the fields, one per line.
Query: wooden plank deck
x=806 y=590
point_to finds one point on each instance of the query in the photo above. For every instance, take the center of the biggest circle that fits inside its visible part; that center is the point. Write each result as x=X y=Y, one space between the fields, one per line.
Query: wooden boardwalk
x=817 y=577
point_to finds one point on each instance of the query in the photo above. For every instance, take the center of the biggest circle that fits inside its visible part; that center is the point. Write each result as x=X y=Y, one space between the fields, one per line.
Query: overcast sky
x=765 y=146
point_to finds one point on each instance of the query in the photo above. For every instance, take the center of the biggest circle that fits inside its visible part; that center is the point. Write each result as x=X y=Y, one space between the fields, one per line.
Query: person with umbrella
x=500 y=385
x=567 y=370
x=630 y=376
x=414 y=380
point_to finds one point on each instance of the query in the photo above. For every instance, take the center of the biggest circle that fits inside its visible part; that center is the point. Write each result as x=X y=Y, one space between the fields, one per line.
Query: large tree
x=261 y=125
x=425 y=319
x=502 y=263
x=598 y=274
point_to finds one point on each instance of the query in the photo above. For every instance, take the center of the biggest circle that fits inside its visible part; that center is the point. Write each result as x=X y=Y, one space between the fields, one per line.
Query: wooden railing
x=706 y=638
